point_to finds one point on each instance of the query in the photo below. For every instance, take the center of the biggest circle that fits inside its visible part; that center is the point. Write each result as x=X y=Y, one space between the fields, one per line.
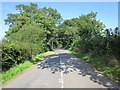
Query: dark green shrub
x=12 y=55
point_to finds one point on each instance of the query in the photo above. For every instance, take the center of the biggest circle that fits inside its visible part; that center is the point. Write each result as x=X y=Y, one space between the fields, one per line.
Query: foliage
x=45 y=18
x=31 y=32
x=87 y=35
x=12 y=55
x=30 y=37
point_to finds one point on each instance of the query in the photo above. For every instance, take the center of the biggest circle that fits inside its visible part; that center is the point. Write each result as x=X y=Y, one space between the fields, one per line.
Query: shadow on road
x=68 y=63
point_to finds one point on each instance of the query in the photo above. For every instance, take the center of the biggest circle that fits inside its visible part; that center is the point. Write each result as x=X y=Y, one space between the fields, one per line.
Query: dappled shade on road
x=68 y=63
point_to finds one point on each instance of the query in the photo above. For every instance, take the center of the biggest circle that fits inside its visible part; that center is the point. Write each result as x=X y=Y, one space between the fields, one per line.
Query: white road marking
x=61 y=75
x=62 y=83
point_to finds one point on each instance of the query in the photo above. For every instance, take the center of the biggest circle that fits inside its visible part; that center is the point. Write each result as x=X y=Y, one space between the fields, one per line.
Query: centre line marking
x=62 y=83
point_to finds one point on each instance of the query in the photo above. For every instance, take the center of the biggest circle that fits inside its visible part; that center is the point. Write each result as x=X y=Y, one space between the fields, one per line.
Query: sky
x=107 y=12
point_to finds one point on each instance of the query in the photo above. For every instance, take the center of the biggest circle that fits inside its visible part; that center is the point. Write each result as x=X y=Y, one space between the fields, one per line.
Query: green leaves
x=27 y=8
x=29 y=32
x=12 y=55
x=30 y=14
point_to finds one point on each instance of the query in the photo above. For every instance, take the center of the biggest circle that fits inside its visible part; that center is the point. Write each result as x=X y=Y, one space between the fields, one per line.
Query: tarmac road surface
x=61 y=70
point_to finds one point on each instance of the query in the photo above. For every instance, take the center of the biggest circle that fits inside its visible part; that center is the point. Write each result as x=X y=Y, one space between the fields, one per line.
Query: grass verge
x=12 y=72
x=40 y=56
x=112 y=72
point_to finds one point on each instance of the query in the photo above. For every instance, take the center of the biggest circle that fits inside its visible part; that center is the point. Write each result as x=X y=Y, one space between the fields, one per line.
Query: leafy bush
x=30 y=37
x=12 y=55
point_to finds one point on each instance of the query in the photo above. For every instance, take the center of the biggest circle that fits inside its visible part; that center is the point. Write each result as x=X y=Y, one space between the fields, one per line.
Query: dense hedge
x=12 y=55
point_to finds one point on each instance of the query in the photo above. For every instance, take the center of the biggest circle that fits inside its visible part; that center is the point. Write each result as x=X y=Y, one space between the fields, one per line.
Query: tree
x=46 y=18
